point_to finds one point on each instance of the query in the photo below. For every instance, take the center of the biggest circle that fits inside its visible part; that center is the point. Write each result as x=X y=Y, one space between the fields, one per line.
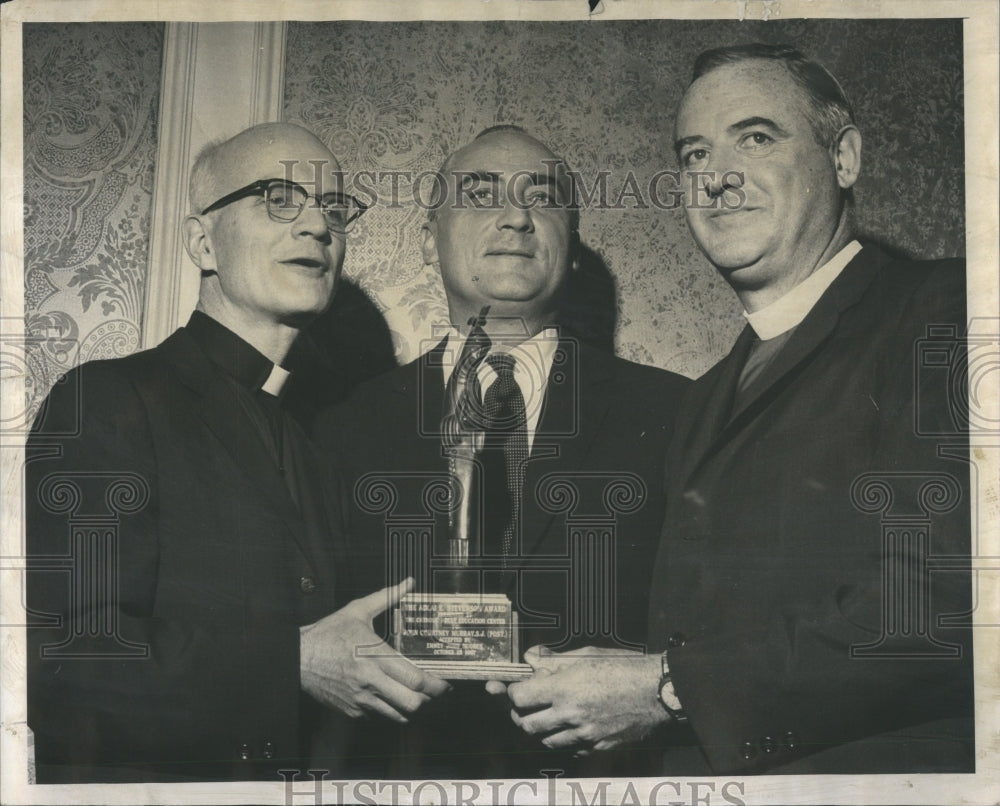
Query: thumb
x=380 y=601
x=539 y=657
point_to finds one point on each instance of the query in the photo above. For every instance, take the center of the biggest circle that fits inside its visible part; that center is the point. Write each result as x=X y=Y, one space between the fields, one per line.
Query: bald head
x=263 y=275
x=504 y=233
x=265 y=151
x=504 y=136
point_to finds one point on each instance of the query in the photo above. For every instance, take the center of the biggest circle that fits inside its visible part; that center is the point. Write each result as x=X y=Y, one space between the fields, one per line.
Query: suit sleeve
x=121 y=687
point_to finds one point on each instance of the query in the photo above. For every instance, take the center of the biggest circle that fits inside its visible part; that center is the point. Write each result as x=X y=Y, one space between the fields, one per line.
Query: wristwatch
x=668 y=697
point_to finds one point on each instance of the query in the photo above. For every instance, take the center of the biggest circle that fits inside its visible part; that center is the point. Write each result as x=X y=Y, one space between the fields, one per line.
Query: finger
x=402 y=671
x=495 y=687
x=533 y=693
x=566 y=740
x=380 y=707
x=540 y=723
x=398 y=696
x=380 y=601
x=542 y=659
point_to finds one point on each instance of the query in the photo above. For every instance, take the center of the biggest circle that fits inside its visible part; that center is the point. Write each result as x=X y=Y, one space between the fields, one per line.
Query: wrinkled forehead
x=296 y=158
x=752 y=88
x=507 y=155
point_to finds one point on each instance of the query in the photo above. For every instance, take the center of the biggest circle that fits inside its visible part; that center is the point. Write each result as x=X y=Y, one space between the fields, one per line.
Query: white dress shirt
x=533 y=362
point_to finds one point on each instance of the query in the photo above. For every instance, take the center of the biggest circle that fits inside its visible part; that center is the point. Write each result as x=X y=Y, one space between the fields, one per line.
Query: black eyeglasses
x=285 y=201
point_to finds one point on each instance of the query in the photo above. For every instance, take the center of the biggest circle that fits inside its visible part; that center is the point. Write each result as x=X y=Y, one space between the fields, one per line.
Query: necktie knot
x=503 y=402
x=503 y=365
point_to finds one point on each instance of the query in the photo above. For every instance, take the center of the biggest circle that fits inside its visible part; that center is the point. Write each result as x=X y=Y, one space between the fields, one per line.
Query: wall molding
x=217 y=79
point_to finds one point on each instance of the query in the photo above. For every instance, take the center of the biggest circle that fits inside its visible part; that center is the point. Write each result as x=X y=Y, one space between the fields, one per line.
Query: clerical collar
x=788 y=311
x=238 y=358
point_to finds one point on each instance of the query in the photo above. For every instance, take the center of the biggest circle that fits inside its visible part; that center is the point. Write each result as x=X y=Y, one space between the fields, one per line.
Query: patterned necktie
x=505 y=455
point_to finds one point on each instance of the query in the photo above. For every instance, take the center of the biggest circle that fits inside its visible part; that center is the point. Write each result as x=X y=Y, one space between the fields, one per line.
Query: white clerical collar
x=276 y=380
x=788 y=311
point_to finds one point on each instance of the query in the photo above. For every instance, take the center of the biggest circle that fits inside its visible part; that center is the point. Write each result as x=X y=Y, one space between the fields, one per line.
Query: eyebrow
x=686 y=141
x=749 y=123
x=739 y=126
x=481 y=176
x=495 y=176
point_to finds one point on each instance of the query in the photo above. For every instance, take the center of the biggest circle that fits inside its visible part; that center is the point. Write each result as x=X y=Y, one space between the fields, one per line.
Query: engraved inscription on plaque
x=457 y=627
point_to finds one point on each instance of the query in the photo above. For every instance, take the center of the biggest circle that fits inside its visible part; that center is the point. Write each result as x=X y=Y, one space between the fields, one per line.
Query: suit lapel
x=717 y=426
x=814 y=330
x=413 y=444
x=572 y=417
x=427 y=380
x=220 y=410
x=708 y=404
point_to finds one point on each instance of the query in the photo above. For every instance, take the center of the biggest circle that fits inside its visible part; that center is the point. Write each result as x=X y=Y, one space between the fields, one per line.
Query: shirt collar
x=788 y=311
x=533 y=357
x=237 y=358
x=533 y=362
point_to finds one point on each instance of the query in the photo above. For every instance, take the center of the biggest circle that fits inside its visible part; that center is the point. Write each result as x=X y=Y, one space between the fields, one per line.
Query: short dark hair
x=830 y=110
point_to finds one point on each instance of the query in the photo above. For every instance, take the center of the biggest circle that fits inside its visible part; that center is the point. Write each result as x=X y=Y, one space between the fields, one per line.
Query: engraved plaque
x=460 y=636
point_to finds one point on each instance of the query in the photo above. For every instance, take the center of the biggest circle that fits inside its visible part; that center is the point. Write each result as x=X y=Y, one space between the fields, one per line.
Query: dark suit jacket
x=177 y=655
x=602 y=433
x=796 y=539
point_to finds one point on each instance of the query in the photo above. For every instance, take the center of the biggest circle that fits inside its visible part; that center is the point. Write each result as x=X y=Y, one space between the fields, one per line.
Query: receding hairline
x=827 y=106
x=207 y=170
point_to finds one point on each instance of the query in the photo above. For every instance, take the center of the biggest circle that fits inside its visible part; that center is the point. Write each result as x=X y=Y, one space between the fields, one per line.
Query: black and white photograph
x=548 y=401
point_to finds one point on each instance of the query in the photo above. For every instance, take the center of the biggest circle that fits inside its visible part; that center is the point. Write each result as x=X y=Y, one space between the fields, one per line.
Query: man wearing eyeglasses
x=186 y=626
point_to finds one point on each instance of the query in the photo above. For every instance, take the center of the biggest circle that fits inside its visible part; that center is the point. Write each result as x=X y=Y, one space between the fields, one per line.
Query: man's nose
x=515 y=214
x=721 y=174
x=311 y=222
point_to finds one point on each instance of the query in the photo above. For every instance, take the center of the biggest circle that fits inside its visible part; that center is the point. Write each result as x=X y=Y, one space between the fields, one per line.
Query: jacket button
x=676 y=639
x=307 y=585
x=268 y=751
x=748 y=750
x=791 y=740
x=768 y=744
x=244 y=752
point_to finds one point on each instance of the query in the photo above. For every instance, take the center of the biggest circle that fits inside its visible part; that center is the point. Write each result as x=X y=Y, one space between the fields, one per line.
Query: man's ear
x=429 y=244
x=847 y=156
x=198 y=243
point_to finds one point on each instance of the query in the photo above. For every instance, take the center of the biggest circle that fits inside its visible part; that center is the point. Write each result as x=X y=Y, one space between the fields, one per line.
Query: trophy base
x=470 y=670
x=460 y=636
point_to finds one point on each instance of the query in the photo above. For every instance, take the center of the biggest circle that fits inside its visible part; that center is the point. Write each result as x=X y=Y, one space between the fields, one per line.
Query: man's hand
x=346 y=666
x=588 y=699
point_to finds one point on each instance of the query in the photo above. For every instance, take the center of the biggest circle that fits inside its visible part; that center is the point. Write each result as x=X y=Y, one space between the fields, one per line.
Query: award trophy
x=456 y=631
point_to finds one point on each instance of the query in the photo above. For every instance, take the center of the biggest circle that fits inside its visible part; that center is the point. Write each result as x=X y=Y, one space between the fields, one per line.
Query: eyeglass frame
x=261 y=188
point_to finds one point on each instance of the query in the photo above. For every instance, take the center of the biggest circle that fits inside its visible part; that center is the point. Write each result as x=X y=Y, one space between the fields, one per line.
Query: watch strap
x=666 y=694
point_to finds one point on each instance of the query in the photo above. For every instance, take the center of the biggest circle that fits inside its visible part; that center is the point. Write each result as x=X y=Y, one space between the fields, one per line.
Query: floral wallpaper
x=91 y=93
x=401 y=96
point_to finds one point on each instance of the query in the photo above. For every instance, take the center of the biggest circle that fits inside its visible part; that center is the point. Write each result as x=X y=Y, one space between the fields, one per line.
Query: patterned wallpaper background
x=91 y=93
x=402 y=96
x=603 y=94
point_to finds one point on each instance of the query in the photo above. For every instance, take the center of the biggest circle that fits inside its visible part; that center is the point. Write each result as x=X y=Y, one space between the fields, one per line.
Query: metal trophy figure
x=457 y=631
x=462 y=438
